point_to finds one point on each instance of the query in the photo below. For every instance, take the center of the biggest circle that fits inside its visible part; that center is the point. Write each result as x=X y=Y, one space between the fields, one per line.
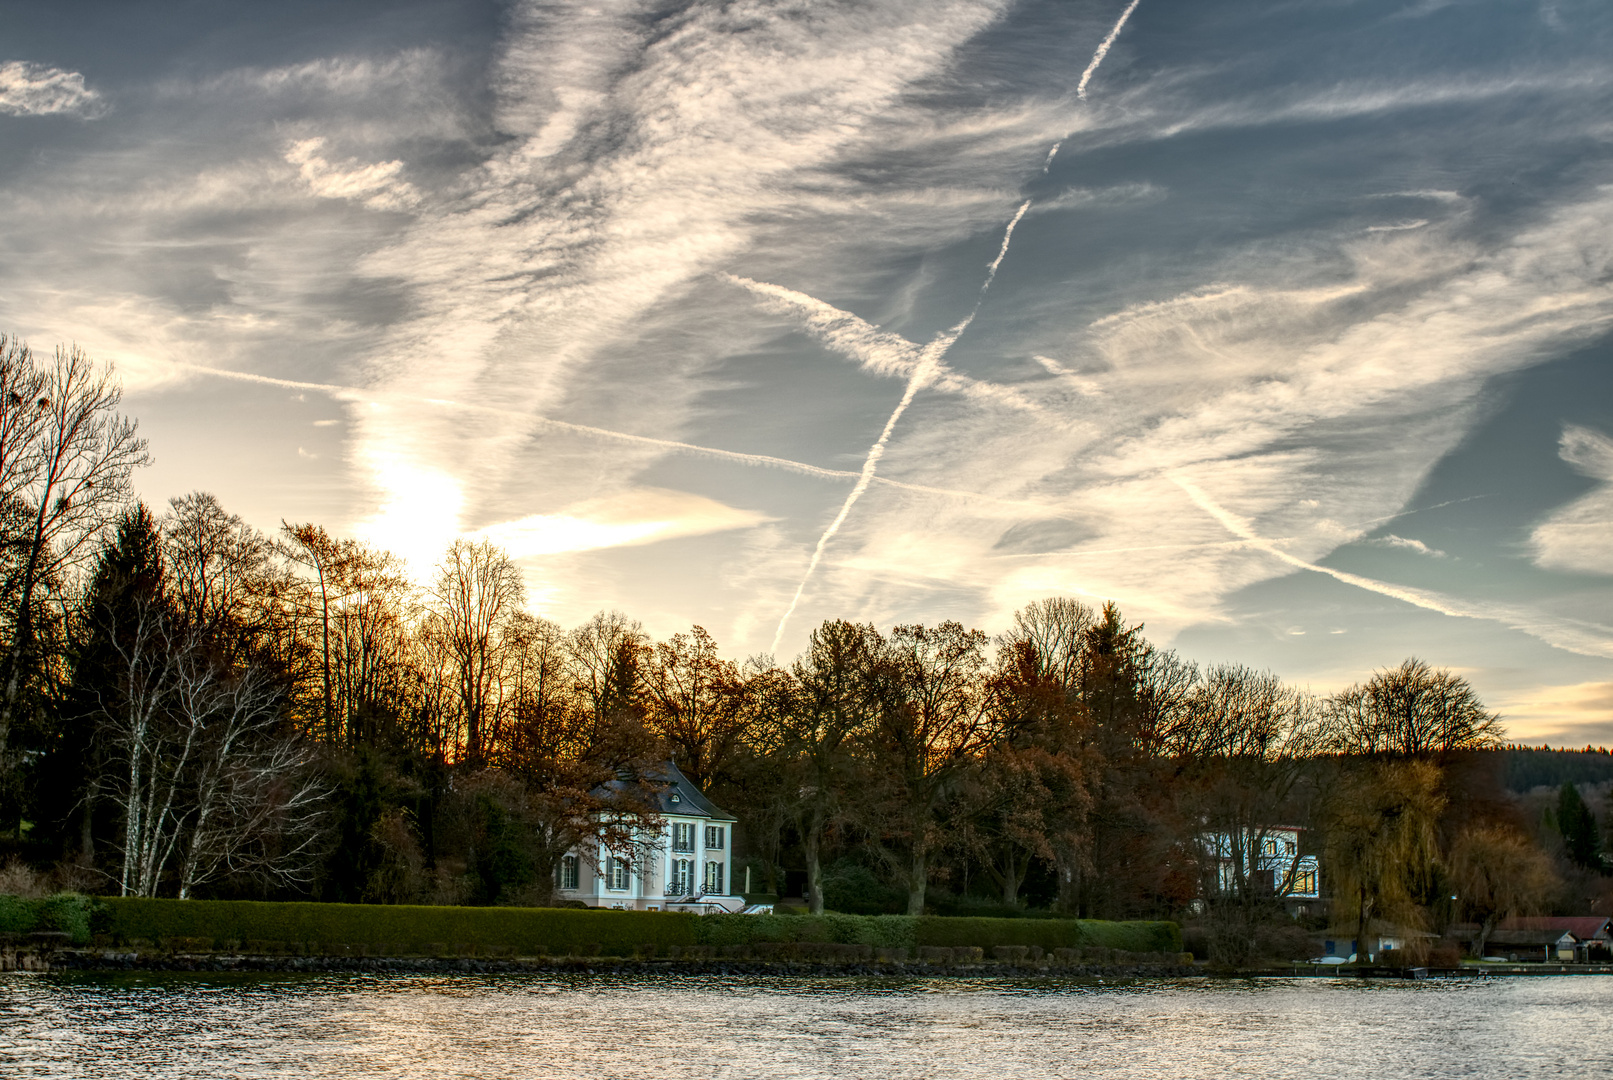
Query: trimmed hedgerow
x=1136 y=937
x=399 y=930
x=251 y=926
x=67 y=913
x=879 y=931
x=907 y=932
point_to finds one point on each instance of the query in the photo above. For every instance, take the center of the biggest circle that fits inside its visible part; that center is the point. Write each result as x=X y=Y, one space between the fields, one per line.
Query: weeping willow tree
x=1381 y=842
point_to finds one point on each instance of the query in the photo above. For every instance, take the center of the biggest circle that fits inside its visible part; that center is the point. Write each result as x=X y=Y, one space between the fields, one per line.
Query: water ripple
x=527 y=1026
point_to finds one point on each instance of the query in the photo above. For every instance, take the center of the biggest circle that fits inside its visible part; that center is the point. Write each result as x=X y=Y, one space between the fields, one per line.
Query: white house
x=687 y=868
x=1270 y=860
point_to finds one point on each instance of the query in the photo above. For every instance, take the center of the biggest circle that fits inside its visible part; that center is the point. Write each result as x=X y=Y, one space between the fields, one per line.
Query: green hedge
x=1137 y=937
x=67 y=913
x=907 y=932
x=880 y=931
x=204 y=925
x=398 y=930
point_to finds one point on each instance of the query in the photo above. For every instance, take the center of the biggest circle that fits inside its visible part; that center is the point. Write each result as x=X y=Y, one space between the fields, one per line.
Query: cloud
x=1401 y=543
x=1576 y=636
x=1579 y=537
x=640 y=154
x=379 y=186
x=630 y=518
x=40 y=90
x=1563 y=715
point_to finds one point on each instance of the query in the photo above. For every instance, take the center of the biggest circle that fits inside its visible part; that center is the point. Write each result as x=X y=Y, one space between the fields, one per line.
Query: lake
x=81 y=1025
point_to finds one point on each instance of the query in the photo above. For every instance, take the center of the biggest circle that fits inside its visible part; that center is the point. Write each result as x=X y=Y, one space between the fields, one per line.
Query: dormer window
x=674 y=798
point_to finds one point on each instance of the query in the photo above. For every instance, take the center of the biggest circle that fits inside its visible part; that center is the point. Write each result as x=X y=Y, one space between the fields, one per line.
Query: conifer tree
x=1578 y=827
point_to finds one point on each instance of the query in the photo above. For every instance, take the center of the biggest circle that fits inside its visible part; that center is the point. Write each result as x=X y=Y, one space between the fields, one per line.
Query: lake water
x=533 y=1026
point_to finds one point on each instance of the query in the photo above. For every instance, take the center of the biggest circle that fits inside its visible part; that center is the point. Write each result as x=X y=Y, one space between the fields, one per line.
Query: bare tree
x=356 y=599
x=697 y=703
x=1412 y=710
x=588 y=780
x=811 y=719
x=1028 y=796
x=223 y=580
x=66 y=457
x=206 y=783
x=932 y=723
x=1241 y=745
x=478 y=590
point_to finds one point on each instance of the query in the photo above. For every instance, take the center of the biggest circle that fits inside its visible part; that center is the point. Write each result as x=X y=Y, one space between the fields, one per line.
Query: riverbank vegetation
x=193 y=708
x=289 y=927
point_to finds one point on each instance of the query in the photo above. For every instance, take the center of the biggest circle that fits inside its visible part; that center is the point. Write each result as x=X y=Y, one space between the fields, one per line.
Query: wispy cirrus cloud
x=28 y=89
x=379 y=186
x=640 y=154
x=1579 y=536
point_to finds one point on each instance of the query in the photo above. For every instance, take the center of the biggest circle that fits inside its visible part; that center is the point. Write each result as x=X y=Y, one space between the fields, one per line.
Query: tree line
x=192 y=707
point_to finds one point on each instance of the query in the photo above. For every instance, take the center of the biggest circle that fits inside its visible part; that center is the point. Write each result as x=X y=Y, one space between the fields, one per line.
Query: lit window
x=1305 y=882
x=714 y=877
x=682 y=836
x=1269 y=847
x=714 y=837
x=569 y=872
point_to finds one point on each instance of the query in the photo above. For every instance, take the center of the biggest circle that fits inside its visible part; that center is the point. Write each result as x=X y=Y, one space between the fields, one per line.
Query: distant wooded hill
x=1529 y=767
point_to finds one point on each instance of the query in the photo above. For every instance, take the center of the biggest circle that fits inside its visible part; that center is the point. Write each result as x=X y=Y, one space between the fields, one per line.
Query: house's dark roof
x=1539 y=936
x=679 y=796
x=1583 y=927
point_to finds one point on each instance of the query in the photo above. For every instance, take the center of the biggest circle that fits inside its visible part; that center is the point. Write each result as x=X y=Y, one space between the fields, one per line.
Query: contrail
x=929 y=363
x=1585 y=639
x=1051 y=154
x=1097 y=57
x=925 y=370
x=1002 y=252
x=878 y=351
x=767 y=461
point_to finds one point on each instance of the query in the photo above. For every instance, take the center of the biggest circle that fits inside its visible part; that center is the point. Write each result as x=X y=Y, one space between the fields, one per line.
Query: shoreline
x=121 y=960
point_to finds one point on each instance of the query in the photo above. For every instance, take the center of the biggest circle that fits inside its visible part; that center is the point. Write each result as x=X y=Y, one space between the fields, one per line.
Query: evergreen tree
x=129 y=574
x=1578 y=826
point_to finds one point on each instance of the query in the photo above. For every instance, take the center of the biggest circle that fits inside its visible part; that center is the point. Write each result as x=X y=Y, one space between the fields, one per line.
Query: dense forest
x=191 y=707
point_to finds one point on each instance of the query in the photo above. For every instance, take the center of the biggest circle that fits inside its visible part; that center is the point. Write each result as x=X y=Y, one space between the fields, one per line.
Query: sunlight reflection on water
x=525 y=1026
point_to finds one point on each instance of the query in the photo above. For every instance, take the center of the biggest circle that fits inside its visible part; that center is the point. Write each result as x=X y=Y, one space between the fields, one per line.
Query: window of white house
x=1289 y=847
x=1305 y=881
x=683 y=836
x=1269 y=847
x=714 y=878
x=616 y=877
x=714 y=837
x=570 y=872
x=682 y=880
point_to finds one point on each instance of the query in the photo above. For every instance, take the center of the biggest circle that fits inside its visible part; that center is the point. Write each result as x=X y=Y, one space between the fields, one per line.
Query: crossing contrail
x=923 y=372
x=1103 y=50
x=929 y=364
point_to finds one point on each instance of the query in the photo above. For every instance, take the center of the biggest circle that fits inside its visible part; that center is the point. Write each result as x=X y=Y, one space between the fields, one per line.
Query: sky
x=1286 y=325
